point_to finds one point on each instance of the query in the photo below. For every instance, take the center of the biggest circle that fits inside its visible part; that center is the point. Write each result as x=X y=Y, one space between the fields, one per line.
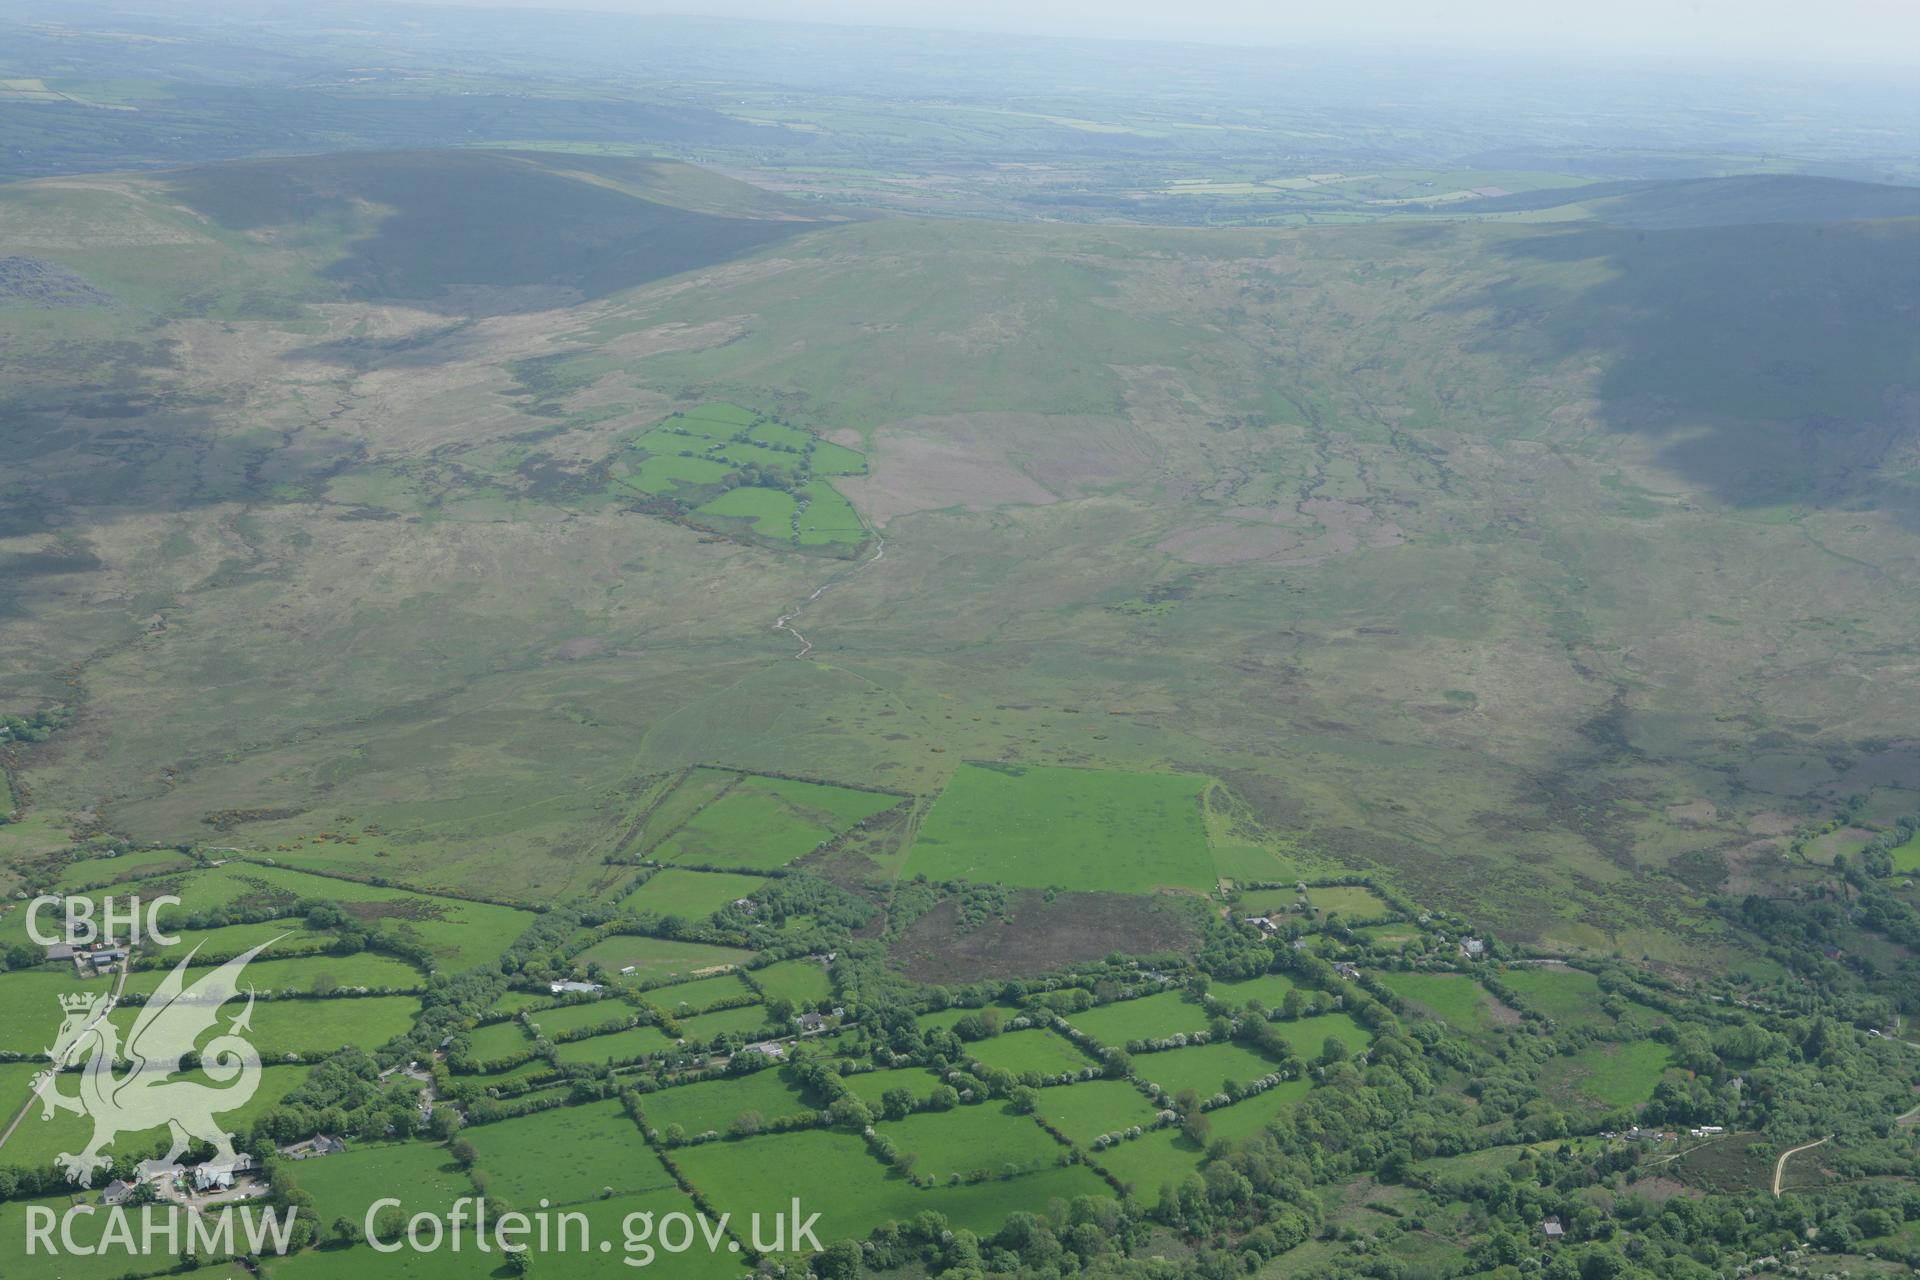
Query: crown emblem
x=77 y=1002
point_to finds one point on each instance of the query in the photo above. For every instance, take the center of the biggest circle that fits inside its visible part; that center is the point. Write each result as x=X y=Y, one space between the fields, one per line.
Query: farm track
x=785 y=620
x=1780 y=1165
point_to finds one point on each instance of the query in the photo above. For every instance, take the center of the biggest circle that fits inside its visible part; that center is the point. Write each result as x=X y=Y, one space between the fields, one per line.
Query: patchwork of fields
x=692 y=1073
x=729 y=468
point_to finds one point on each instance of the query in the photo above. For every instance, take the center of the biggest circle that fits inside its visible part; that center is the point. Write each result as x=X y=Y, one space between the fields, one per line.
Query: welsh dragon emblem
x=149 y=1092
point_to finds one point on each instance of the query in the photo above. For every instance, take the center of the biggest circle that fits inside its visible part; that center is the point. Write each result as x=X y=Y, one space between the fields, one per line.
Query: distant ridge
x=1741 y=200
x=414 y=225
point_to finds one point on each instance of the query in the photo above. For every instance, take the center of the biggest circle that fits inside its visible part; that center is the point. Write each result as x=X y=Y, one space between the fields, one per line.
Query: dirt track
x=1780 y=1165
x=785 y=620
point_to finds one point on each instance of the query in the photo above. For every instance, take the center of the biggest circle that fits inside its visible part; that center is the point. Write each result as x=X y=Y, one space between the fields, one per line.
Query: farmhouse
x=1472 y=948
x=213 y=1176
x=118 y=1191
x=208 y=1177
x=1552 y=1229
x=320 y=1144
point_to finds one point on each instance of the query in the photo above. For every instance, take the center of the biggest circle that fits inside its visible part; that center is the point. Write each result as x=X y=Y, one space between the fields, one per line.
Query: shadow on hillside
x=459 y=231
x=102 y=426
x=1774 y=364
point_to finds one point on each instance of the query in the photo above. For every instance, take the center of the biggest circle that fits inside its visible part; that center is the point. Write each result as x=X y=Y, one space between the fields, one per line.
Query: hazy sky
x=1879 y=31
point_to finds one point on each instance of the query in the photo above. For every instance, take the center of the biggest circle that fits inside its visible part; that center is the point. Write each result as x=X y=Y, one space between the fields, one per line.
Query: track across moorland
x=784 y=621
x=1780 y=1165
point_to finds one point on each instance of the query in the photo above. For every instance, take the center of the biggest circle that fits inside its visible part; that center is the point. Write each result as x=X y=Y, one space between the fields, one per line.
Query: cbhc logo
x=83 y=927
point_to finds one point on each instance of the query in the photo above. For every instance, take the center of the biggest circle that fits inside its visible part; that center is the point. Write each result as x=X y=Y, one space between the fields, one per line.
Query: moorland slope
x=1551 y=571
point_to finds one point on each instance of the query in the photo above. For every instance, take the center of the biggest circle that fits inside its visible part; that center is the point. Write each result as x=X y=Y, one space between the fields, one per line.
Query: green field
x=1389 y=935
x=592 y=1014
x=421 y=1175
x=828 y=517
x=1614 y=1075
x=1155 y=1017
x=655 y=958
x=320 y=972
x=89 y=873
x=692 y=895
x=1308 y=1036
x=459 y=934
x=619 y=1046
x=868 y=1086
x=803 y=982
x=497 y=1042
x=1456 y=998
x=768 y=511
x=744 y=452
x=1566 y=995
x=944 y=1019
x=1269 y=989
x=775 y=433
x=665 y=472
x=566 y=1155
x=361 y=1262
x=515 y=1001
x=1353 y=903
x=88 y=1232
x=690 y=791
x=1202 y=1068
x=731 y=415
x=716 y=1105
x=699 y=995
x=745 y=1020
x=1071 y=828
x=1249 y=1116
x=36 y=1142
x=1906 y=858
x=314 y=1027
x=696 y=429
x=765 y=823
x=830 y=459
x=1034 y=1051
x=759 y=1174
x=30 y=1013
x=287 y=937
x=1156 y=1159
x=988 y=1138
x=1089 y=1108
